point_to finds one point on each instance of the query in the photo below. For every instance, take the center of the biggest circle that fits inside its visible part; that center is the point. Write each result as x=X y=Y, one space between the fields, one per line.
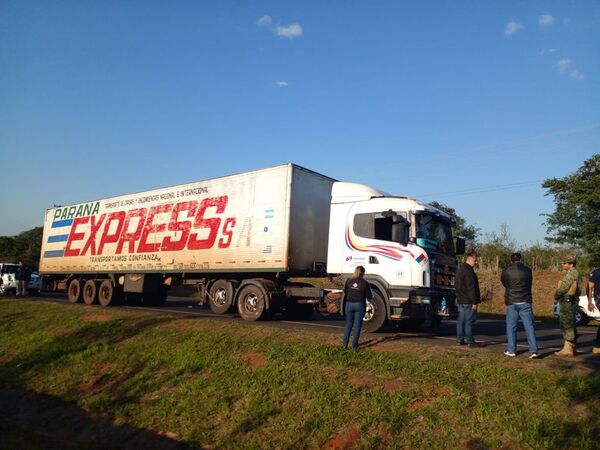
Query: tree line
x=25 y=246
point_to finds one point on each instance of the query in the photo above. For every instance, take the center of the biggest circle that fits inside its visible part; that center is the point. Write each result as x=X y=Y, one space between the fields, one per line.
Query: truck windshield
x=434 y=233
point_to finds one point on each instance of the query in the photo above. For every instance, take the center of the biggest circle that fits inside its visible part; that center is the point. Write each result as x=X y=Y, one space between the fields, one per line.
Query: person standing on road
x=517 y=280
x=20 y=277
x=593 y=293
x=567 y=296
x=468 y=297
x=356 y=293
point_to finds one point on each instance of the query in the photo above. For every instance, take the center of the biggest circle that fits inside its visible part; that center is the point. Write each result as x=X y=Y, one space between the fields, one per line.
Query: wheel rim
x=74 y=291
x=251 y=303
x=369 y=311
x=577 y=316
x=104 y=294
x=220 y=297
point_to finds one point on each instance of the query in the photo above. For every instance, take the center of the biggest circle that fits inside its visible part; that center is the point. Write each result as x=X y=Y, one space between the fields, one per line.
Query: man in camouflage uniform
x=567 y=296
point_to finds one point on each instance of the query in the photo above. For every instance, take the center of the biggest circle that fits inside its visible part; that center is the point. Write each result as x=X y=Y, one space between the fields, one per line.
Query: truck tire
x=251 y=302
x=376 y=314
x=108 y=295
x=581 y=318
x=220 y=296
x=90 y=292
x=75 y=292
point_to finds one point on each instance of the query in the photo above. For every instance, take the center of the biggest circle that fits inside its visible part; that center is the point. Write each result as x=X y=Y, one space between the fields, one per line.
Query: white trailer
x=240 y=238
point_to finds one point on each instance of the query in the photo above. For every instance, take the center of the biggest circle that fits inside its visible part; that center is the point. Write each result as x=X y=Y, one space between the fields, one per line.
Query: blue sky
x=469 y=103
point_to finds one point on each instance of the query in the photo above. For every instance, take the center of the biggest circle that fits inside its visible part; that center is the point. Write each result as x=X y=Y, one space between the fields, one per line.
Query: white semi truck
x=241 y=238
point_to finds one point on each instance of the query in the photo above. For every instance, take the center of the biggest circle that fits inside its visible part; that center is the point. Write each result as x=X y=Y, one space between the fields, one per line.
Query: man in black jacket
x=517 y=280
x=468 y=298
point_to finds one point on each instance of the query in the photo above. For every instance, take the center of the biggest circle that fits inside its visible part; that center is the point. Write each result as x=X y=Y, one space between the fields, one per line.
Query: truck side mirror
x=459 y=246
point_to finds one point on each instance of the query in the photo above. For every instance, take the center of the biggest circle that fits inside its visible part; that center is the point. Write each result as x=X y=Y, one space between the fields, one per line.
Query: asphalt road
x=489 y=330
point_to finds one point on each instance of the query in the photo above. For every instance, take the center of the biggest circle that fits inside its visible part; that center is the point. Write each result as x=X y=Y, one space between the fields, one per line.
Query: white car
x=9 y=283
x=582 y=314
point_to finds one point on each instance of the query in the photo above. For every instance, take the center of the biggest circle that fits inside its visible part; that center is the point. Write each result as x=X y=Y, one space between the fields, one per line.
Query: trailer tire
x=75 y=293
x=376 y=314
x=220 y=297
x=251 y=302
x=108 y=295
x=90 y=292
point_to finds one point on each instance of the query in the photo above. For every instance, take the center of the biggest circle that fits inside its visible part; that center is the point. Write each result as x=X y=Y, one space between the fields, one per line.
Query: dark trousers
x=354 y=316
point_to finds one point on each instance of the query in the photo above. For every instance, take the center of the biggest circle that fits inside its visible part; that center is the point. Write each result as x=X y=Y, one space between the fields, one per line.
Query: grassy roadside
x=100 y=377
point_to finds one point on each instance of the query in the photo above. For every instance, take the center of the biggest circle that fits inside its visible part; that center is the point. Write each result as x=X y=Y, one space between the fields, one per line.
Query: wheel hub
x=369 y=312
x=221 y=297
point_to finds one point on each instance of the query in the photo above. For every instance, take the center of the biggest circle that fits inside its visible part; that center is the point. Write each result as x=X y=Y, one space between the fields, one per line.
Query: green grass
x=232 y=385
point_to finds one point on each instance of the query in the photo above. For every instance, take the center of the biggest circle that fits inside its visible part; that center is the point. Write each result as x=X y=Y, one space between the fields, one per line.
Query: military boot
x=567 y=350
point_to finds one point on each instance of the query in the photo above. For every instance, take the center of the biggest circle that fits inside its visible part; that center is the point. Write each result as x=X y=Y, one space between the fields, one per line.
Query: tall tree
x=576 y=217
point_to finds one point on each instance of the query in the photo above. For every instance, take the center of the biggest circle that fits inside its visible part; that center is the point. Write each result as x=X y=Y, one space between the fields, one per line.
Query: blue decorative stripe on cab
x=58 y=238
x=53 y=253
x=62 y=223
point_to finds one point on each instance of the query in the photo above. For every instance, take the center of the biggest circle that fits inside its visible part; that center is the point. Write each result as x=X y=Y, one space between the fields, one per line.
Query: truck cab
x=406 y=247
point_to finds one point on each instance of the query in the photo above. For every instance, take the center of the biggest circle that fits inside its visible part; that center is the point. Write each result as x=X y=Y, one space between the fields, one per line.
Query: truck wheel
x=220 y=296
x=90 y=292
x=581 y=318
x=108 y=295
x=75 y=292
x=376 y=315
x=251 y=302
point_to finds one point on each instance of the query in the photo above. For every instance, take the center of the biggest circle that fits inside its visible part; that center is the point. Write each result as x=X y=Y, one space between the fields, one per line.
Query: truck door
x=377 y=240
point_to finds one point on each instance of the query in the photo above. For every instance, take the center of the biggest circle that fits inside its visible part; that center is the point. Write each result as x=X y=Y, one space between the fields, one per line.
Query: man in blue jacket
x=517 y=280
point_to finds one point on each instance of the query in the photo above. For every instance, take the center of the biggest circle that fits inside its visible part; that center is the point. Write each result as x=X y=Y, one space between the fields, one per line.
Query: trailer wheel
x=251 y=302
x=75 y=292
x=90 y=292
x=220 y=296
x=375 y=315
x=108 y=295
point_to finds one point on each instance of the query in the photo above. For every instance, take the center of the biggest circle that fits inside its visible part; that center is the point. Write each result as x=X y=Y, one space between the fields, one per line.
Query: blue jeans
x=354 y=316
x=464 y=324
x=513 y=312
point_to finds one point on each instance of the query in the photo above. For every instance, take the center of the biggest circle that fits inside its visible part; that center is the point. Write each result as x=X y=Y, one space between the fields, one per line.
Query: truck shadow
x=36 y=420
x=32 y=420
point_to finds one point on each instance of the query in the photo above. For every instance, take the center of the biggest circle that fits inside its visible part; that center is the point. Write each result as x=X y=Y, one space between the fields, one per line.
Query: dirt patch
x=398 y=385
x=417 y=404
x=360 y=379
x=254 y=360
x=365 y=379
x=345 y=439
x=96 y=318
